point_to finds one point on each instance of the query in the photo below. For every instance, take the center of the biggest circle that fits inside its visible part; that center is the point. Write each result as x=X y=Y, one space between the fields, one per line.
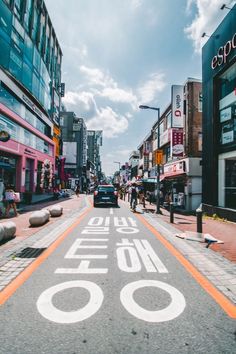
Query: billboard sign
x=177 y=102
x=177 y=143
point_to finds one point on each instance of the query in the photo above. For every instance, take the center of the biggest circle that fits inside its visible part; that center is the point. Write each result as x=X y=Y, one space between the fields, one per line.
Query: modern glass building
x=219 y=119
x=30 y=83
x=29 y=48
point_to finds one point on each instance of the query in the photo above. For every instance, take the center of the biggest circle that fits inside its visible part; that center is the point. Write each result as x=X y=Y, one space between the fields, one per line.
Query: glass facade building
x=29 y=48
x=30 y=79
x=219 y=119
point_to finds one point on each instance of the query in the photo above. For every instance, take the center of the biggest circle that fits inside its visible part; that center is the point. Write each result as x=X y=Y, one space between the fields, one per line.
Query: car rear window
x=106 y=189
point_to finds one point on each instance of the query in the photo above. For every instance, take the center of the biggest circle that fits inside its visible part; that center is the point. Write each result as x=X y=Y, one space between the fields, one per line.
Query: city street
x=111 y=283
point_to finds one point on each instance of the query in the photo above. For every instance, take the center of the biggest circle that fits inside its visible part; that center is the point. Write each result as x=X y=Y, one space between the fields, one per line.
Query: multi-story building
x=74 y=137
x=180 y=139
x=94 y=142
x=219 y=119
x=133 y=163
x=30 y=84
x=177 y=135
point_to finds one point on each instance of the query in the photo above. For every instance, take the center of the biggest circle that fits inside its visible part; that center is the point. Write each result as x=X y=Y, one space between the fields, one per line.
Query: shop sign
x=174 y=169
x=225 y=114
x=223 y=52
x=177 y=106
x=4 y=136
x=28 y=151
x=177 y=142
x=31 y=105
x=227 y=132
x=165 y=137
x=228 y=137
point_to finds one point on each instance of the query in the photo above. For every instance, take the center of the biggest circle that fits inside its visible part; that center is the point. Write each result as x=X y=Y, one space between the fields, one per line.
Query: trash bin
x=27 y=197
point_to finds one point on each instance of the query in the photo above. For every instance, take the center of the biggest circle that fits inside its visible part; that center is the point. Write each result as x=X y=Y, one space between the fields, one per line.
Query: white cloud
x=110 y=90
x=81 y=102
x=156 y=83
x=207 y=19
x=96 y=76
x=136 y=4
x=84 y=105
x=76 y=52
x=116 y=94
x=109 y=121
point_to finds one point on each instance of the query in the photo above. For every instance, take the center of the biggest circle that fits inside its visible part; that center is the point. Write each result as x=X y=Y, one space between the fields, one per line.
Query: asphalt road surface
x=111 y=286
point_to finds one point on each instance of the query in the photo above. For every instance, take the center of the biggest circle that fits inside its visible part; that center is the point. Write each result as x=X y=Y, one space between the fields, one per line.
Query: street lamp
x=158 y=211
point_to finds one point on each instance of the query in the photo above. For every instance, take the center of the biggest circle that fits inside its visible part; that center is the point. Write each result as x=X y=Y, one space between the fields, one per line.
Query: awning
x=172 y=176
x=149 y=180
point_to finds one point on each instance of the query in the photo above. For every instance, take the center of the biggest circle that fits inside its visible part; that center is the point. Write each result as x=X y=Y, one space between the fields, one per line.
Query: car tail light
x=96 y=192
x=115 y=192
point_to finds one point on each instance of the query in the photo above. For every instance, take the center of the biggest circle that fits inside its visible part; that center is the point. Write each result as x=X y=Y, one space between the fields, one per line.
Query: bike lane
x=113 y=287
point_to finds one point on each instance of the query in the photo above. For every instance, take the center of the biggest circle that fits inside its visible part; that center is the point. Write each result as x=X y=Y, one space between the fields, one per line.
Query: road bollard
x=171 y=212
x=199 y=220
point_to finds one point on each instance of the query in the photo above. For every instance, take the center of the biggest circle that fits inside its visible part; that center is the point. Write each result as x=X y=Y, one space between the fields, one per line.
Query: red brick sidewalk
x=222 y=230
x=23 y=229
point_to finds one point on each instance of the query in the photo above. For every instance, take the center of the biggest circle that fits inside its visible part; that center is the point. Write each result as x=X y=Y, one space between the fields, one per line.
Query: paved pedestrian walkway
x=23 y=228
x=219 y=229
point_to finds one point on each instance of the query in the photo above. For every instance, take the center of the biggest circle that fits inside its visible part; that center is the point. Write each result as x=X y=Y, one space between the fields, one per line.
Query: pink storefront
x=27 y=160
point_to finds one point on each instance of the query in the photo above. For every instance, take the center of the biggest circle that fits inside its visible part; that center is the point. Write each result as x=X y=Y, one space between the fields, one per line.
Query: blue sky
x=118 y=54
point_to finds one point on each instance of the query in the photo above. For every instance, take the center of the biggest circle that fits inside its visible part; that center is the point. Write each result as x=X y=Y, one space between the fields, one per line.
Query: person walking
x=134 y=195
x=77 y=191
x=10 y=200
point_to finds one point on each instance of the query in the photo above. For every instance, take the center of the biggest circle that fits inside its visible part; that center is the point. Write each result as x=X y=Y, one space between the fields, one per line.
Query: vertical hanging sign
x=177 y=106
x=177 y=142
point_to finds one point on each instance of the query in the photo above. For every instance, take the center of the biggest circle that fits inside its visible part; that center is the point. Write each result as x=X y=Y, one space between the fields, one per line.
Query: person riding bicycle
x=134 y=195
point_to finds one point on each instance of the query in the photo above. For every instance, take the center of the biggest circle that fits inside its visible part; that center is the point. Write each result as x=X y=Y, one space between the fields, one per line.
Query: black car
x=105 y=194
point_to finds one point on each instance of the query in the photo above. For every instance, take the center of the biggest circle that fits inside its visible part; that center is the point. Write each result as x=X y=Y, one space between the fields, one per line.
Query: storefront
x=219 y=118
x=182 y=182
x=27 y=159
x=26 y=168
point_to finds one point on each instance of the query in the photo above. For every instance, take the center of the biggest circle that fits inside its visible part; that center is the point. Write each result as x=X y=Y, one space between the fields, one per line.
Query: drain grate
x=30 y=252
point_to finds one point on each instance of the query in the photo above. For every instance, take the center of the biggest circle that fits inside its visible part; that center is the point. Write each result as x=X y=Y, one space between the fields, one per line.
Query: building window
x=24 y=136
x=230 y=184
x=200 y=141
x=15 y=64
x=168 y=119
x=10 y=101
x=5 y=18
x=200 y=102
x=61 y=121
x=227 y=106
